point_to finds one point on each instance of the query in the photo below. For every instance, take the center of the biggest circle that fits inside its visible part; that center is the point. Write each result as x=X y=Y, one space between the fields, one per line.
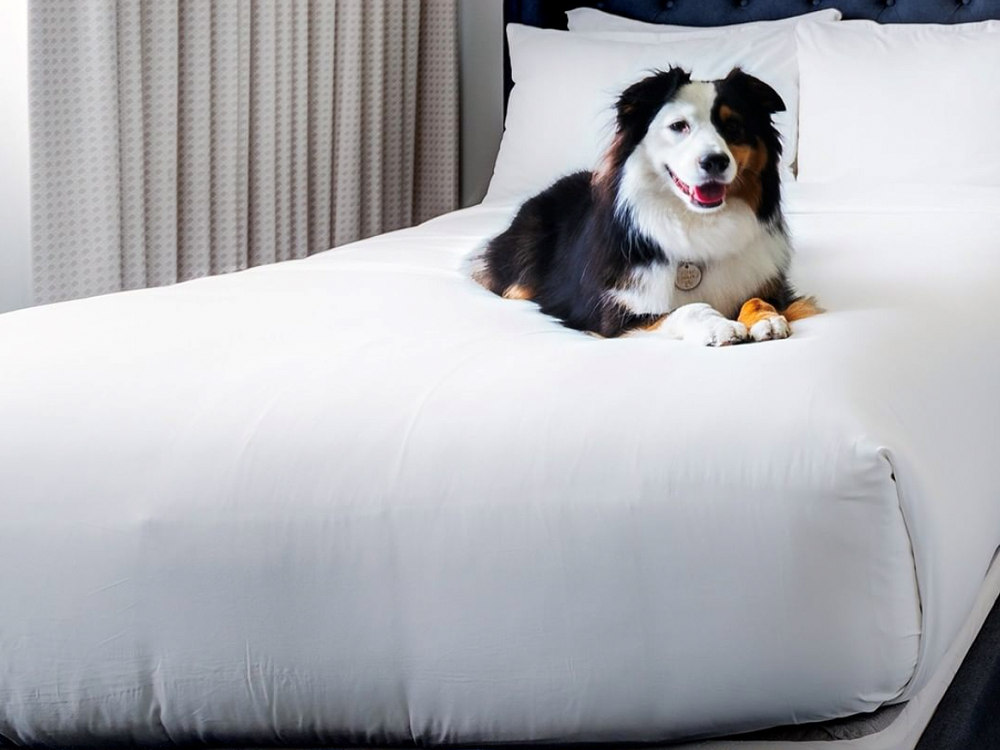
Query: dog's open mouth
x=708 y=195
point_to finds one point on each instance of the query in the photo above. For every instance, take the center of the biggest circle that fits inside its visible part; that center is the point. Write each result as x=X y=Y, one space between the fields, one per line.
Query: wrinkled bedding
x=357 y=497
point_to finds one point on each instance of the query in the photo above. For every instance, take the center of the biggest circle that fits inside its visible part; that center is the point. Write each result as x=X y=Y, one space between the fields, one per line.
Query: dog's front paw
x=773 y=327
x=719 y=331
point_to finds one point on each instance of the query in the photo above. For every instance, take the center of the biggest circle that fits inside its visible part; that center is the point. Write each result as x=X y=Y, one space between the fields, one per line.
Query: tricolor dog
x=678 y=230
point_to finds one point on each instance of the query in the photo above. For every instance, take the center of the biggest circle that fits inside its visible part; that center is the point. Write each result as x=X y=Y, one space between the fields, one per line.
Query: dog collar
x=688 y=276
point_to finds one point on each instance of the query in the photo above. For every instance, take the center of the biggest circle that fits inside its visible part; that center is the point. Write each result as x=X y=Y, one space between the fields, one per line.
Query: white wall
x=481 y=73
x=15 y=209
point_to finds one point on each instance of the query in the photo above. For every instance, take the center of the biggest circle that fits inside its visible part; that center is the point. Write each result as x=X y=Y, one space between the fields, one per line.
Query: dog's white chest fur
x=737 y=254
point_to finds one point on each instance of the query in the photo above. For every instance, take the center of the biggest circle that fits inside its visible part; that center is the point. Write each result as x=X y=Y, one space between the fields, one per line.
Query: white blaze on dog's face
x=683 y=144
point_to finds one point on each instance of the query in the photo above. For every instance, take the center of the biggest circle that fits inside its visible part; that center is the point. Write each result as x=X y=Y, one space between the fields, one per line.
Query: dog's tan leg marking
x=516 y=291
x=802 y=308
x=755 y=310
x=651 y=325
x=763 y=321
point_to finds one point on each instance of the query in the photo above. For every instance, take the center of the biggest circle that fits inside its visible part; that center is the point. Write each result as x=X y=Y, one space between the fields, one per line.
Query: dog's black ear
x=755 y=90
x=640 y=102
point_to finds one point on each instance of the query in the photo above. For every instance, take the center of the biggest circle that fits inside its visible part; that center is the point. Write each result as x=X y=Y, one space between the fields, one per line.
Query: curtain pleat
x=242 y=164
x=79 y=206
x=407 y=140
x=298 y=153
x=131 y=130
x=173 y=139
x=346 y=204
x=321 y=96
x=373 y=77
x=436 y=158
x=194 y=142
x=160 y=141
x=263 y=134
x=227 y=251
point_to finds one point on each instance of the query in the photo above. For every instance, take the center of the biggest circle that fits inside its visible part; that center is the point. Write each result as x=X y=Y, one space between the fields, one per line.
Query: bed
x=358 y=499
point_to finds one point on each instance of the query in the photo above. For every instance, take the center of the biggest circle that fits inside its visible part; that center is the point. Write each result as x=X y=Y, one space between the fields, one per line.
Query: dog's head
x=709 y=140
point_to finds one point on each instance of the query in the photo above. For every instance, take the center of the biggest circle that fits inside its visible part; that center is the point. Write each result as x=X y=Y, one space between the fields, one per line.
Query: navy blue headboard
x=551 y=14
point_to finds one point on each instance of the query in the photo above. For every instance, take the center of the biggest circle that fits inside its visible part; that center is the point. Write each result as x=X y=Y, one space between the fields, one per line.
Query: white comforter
x=358 y=497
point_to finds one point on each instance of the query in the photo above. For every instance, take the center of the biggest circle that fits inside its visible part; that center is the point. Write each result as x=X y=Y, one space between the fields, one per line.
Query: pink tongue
x=711 y=192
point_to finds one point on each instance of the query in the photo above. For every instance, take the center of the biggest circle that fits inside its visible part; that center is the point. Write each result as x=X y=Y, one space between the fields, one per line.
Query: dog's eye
x=734 y=128
x=680 y=126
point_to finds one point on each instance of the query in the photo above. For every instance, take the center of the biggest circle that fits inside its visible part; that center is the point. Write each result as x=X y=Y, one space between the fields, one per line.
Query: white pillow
x=908 y=104
x=560 y=115
x=591 y=19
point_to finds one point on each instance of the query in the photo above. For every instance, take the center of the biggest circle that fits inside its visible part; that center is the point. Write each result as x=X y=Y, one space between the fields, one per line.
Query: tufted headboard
x=550 y=14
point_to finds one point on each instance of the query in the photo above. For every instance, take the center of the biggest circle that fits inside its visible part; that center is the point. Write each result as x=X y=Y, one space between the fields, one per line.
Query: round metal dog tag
x=688 y=277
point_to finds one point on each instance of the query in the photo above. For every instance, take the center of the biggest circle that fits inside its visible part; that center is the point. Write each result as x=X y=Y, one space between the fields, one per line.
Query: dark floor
x=968 y=717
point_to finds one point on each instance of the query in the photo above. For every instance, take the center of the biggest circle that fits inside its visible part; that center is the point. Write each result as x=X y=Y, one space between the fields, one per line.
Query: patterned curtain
x=173 y=139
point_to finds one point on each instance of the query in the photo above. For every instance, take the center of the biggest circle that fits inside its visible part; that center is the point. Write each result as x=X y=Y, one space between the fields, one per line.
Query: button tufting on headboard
x=744 y=3
x=669 y=4
x=889 y=3
x=817 y=2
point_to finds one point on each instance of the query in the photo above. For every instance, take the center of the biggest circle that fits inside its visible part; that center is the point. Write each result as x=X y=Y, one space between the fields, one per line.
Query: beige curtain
x=173 y=139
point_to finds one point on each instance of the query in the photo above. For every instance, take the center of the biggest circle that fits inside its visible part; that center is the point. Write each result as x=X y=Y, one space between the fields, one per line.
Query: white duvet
x=358 y=497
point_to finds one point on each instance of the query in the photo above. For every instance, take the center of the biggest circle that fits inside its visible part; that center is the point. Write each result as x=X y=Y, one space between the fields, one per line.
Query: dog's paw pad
x=768 y=329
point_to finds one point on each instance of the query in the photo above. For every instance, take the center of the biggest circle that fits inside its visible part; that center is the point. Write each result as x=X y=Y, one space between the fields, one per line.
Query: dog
x=679 y=229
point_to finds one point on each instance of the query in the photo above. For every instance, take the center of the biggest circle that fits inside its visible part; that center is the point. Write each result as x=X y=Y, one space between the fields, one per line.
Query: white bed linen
x=357 y=497
x=886 y=72
x=906 y=728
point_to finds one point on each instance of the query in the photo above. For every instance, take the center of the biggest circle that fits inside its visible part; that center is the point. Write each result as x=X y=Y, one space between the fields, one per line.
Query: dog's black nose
x=714 y=164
